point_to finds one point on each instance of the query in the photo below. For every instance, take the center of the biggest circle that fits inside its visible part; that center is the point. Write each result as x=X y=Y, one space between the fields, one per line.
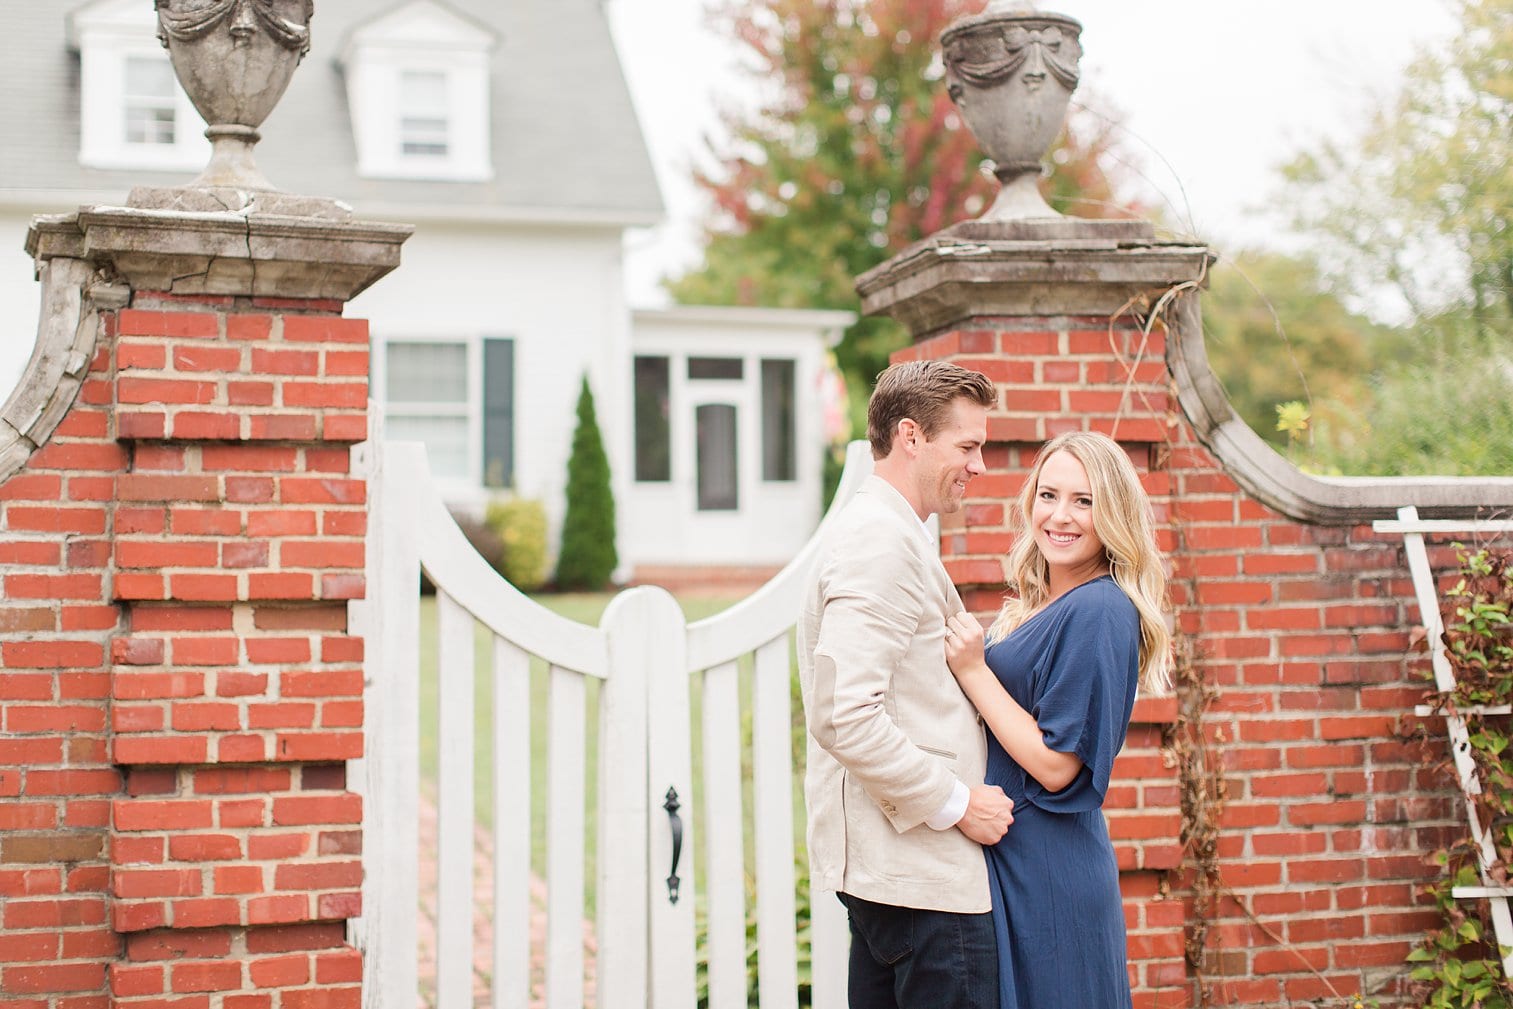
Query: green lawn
x=586 y=609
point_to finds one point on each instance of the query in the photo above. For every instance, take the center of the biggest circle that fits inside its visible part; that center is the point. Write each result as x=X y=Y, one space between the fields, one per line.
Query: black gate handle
x=672 y=806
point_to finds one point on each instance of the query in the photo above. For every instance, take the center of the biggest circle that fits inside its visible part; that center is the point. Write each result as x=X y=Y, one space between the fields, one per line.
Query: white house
x=505 y=133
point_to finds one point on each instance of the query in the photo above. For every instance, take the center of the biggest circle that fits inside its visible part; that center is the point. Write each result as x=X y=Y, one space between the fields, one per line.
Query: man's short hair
x=922 y=391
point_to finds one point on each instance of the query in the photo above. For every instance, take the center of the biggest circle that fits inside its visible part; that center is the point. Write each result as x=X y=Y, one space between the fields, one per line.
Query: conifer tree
x=587 y=558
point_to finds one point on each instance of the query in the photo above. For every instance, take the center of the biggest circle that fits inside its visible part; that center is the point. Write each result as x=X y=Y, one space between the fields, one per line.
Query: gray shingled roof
x=565 y=135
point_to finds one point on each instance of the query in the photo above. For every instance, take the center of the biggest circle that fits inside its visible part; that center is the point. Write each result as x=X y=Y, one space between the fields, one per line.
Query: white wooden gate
x=648 y=664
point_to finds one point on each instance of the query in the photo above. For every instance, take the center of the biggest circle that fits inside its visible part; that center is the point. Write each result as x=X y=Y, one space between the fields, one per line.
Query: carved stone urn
x=1011 y=71
x=234 y=59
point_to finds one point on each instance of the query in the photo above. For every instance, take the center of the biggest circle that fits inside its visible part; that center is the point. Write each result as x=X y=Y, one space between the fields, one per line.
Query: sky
x=1215 y=94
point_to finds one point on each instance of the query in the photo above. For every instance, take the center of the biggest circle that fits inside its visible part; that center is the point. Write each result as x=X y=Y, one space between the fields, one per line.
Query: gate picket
x=772 y=822
x=564 y=845
x=454 y=806
x=512 y=826
x=724 y=838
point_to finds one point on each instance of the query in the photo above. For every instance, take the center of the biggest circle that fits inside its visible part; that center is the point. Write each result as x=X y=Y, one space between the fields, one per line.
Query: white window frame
x=420 y=38
x=106 y=38
x=470 y=408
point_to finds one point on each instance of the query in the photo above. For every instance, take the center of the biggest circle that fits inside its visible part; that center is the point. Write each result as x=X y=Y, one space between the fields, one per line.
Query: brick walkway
x=483 y=923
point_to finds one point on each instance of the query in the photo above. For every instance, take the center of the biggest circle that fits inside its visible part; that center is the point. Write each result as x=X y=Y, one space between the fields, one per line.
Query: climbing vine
x=1459 y=963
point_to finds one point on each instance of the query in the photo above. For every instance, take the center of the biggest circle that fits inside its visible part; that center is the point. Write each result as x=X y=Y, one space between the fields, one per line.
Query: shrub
x=587 y=557
x=519 y=525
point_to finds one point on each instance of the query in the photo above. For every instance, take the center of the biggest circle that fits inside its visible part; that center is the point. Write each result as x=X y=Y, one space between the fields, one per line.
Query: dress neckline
x=1047 y=607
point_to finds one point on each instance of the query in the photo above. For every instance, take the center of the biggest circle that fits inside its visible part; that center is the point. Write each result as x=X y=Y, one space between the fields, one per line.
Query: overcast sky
x=1215 y=93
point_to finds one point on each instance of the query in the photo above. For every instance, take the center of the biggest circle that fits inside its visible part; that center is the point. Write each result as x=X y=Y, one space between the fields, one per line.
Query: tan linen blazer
x=889 y=729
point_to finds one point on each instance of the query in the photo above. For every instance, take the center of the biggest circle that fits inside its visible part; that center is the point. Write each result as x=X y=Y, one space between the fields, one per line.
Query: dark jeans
x=906 y=958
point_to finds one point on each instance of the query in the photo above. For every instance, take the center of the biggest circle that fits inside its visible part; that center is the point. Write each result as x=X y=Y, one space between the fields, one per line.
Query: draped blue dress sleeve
x=1057 y=910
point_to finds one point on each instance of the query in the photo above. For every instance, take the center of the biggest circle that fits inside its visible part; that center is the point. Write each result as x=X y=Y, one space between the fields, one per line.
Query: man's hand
x=989 y=813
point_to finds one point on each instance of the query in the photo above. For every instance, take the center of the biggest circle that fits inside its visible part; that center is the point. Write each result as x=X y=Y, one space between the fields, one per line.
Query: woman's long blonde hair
x=1123 y=521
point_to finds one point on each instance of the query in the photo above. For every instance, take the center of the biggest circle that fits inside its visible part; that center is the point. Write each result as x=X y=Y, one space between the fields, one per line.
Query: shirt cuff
x=950 y=814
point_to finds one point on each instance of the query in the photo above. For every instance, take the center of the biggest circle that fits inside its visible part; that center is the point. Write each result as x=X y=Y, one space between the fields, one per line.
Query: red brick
x=170 y=815
x=207 y=358
x=157 y=487
x=317 y=328
x=206 y=912
x=133 y=883
x=282 y=427
x=248 y=327
x=323 y=809
x=221 y=975
x=278 y=909
x=280 y=971
x=131 y=390
x=82 y=521
x=206 y=426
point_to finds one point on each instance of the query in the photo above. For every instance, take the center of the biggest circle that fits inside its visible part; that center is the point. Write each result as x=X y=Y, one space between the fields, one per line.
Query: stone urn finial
x=234 y=59
x=1011 y=71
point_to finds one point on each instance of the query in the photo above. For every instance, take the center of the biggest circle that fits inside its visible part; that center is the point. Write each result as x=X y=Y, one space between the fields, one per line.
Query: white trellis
x=645 y=659
x=1413 y=529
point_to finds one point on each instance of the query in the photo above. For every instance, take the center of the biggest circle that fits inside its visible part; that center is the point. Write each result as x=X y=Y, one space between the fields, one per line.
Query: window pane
x=714 y=367
x=779 y=437
x=653 y=424
x=446 y=441
x=717 y=484
x=148 y=101
x=423 y=113
x=425 y=372
x=498 y=412
x=149 y=78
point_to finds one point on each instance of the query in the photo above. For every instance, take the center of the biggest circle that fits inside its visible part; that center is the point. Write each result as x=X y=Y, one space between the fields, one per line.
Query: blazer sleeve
x=872 y=599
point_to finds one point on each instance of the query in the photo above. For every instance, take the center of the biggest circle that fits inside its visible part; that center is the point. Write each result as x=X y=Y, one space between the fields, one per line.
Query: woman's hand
x=964 y=649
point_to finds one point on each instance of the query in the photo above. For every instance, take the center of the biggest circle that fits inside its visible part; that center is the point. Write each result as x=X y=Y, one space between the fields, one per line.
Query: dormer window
x=423 y=114
x=418 y=87
x=132 y=112
x=151 y=107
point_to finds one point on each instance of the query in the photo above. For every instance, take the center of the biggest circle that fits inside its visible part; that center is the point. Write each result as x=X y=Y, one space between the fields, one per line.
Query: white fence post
x=389 y=776
x=624 y=948
x=455 y=806
x=660 y=643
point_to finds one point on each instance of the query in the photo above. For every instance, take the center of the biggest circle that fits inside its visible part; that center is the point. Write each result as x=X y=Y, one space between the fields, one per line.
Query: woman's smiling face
x=1062 y=521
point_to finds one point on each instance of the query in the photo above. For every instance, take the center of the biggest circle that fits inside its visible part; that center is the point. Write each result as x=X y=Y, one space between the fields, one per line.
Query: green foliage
x=520 y=526
x=857 y=152
x=1446 y=417
x=802 y=922
x=1416 y=212
x=1459 y=963
x=1275 y=334
x=1421 y=202
x=587 y=557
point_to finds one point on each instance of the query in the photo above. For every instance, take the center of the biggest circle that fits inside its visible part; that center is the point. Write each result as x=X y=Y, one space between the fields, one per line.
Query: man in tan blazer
x=897 y=805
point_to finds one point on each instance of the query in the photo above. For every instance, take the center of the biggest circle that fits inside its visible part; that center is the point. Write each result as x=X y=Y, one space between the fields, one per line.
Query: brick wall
x=180 y=692
x=1303 y=633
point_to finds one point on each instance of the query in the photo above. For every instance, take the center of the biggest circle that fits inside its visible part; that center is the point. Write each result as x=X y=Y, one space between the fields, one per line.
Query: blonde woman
x=1055 y=687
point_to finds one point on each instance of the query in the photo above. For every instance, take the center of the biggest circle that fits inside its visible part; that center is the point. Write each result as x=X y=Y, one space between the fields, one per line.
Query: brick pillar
x=1036 y=306
x=186 y=543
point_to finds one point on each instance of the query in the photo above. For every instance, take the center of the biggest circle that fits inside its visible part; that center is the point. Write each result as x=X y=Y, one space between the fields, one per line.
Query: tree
x=588 y=556
x=857 y=153
x=1419 y=207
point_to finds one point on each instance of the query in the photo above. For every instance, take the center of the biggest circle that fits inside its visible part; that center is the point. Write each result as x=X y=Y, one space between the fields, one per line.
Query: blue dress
x=1056 y=906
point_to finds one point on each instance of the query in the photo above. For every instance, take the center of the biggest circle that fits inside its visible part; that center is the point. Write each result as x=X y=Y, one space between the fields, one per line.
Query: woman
x=1055 y=688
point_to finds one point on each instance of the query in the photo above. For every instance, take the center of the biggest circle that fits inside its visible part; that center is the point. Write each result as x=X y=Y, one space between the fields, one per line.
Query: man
x=897 y=807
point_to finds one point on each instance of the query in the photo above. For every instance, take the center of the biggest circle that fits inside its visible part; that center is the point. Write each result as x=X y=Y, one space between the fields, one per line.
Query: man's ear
x=908 y=434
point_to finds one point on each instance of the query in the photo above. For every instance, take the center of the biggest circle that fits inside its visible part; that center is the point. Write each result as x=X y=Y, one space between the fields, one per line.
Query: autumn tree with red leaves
x=857 y=152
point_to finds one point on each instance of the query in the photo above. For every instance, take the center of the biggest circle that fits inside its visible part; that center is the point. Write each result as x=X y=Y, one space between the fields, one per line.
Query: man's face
x=947 y=462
